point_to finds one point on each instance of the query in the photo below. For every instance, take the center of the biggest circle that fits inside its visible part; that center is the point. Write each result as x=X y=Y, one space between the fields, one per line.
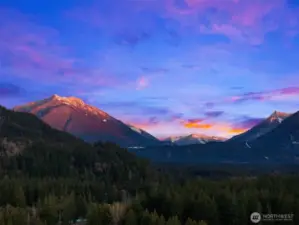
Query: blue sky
x=171 y=67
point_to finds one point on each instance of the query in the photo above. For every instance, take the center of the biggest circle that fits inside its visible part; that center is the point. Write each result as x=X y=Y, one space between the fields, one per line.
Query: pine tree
x=19 y=197
x=202 y=223
x=98 y=214
x=93 y=215
x=190 y=222
x=117 y=211
x=173 y=221
x=69 y=208
x=146 y=218
x=19 y=216
x=130 y=218
x=161 y=220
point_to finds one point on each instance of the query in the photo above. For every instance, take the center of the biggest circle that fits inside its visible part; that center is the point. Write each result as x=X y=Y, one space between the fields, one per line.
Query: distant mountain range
x=274 y=140
x=72 y=115
x=192 y=139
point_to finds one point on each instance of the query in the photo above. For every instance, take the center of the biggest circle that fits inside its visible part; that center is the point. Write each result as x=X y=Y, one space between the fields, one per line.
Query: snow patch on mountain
x=193 y=139
x=136 y=129
x=265 y=126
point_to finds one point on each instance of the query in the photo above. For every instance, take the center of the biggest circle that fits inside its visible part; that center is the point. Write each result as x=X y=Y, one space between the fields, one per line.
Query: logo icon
x=255 y=217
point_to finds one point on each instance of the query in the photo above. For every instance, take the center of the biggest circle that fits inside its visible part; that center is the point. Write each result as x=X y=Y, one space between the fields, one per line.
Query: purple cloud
x=266 y=95
x=214 y=114
x=246 y=21
x=154 y=70
x=247 y=122
x=131 y=39
x=10 y=90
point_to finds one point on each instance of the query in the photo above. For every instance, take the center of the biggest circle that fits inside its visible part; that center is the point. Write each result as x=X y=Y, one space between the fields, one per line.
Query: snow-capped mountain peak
x=193 y=139
x=277 y=116
x=69 y=100
x=73 y=115
x=262 y=128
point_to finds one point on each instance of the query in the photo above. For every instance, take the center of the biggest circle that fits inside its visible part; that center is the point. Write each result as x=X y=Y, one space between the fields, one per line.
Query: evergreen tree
x=146 y=218
x=190 y=222
x=131 y=218
x=173 y=221
x=161 y=220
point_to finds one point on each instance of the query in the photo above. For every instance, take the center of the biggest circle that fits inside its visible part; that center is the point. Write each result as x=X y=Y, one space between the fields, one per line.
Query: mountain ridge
x=192 y=139
x=73 y=115
x=263 y=127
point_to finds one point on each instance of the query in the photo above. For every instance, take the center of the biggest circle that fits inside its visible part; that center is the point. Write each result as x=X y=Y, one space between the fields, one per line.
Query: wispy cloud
x=248 y=122
x=214 y=114
x=154 y=70
x=244 y=21
x=10 y=90
x=276 y=94
x=142 y=83
x=31 y=51
x=34 y=50
x=131 y=39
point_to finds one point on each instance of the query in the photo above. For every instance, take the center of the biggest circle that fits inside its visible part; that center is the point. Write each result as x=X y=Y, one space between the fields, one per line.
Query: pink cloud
x=27 y=45
x=142 y=82
x=31 y=51
x=280 y=94
x=246 y=21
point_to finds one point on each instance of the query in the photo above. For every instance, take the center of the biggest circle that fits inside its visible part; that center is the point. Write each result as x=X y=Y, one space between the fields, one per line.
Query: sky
x=171 y=67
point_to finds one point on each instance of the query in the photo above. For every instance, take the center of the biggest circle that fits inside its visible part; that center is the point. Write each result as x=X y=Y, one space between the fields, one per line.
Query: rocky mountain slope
x=72 y=115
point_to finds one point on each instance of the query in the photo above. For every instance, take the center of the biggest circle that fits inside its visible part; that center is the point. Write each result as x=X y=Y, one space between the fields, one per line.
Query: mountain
x=72 y=115
x=276 y=142
x=31 y=148
x=262 y=128
x=284 y=137
x=193 y=139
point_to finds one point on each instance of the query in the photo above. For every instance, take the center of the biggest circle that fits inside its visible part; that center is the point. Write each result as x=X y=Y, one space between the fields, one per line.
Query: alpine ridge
x=262 y=128
x=73 y=115
x=192 y=139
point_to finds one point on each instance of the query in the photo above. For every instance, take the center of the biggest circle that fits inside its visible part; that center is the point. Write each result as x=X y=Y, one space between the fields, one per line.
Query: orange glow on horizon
x=237 y=130
x=228 y=129
x=218 y=129
x=197 y=125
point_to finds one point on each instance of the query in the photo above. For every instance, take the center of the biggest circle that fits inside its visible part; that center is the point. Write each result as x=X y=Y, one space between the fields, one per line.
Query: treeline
x=230 y=202
x=47 y=183
x=96 y=214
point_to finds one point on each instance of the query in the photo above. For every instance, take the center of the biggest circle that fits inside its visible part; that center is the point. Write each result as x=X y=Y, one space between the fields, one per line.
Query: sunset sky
x=172 y=67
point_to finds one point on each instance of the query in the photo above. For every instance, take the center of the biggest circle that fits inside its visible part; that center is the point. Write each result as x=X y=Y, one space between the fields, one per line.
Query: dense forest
x=53 y=178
